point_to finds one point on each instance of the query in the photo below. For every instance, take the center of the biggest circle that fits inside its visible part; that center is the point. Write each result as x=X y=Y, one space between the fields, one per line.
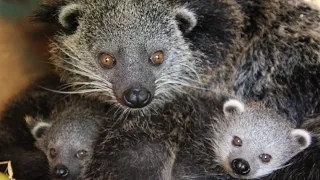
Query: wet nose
x=137 y=97
x=61 y=171
x=240 y=166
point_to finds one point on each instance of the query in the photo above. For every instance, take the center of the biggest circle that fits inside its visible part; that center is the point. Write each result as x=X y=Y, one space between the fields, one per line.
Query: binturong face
x=256 y=141
x=67 y=142
x=124 y=52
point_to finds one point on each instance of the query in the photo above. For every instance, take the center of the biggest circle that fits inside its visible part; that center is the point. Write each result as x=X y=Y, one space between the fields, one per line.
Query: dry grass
x=9 y=170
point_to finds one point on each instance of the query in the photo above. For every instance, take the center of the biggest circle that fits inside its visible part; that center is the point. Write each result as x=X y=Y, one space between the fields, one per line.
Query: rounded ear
x=232 y=106
x=302 y=137
x=39 y=130
x=68 y=16
x=186 y=19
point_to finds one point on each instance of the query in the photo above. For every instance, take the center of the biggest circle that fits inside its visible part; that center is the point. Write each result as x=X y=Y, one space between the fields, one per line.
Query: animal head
x=67 y=143
x=255 y=141
x=130 y=53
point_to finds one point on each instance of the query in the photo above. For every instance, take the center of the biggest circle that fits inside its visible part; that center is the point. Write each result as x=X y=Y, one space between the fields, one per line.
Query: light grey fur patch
x=262 y=131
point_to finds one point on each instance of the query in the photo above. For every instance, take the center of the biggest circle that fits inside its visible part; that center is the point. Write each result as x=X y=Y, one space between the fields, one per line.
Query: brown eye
x=81 y=154
x=237 y=141
x=265 y=158
x=157 y=58
x=107 y=61
x=53 y=153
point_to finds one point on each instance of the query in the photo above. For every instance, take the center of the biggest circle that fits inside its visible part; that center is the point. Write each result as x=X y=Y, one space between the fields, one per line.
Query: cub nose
x=137 y=97
x=240 y=166
x=61 y=171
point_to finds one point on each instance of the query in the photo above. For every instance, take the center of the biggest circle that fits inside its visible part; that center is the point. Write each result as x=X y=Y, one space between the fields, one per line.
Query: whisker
x=72 y=92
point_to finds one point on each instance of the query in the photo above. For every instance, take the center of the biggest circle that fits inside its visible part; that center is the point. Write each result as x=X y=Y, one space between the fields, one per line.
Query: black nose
x=61 y=171
x=137 y=97
x=240 y=166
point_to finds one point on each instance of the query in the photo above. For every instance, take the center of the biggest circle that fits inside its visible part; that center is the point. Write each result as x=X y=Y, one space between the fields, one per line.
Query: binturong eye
x=237 y=141
x=107 y=61
x=157 y=58
x=81 y=154
x=265 y=158
x=52 y=152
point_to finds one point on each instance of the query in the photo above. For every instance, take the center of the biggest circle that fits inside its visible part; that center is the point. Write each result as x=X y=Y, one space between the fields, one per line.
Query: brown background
x=23 y=57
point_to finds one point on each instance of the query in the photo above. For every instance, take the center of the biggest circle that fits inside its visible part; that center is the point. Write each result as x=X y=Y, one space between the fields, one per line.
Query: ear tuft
x=186 y=19
x=303 y=138
x=47 y=13
x=68 y=16
x=233 y=106
x=40 y=129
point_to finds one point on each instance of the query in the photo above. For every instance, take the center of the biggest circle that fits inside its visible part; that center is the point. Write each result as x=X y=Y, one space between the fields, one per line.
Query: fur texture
x=273 y=45
x=191 y=35
x=192 y=139
x=262 y=49
x=68 y=136
x=16 y=142
x=260 y=132
x=281 y=65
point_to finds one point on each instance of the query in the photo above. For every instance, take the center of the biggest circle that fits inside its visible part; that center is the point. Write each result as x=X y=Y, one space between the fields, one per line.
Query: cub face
x=66 y=149
x=256 y=141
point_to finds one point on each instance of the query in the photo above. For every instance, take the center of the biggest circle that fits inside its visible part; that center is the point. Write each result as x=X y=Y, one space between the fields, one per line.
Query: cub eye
x=52 y=152
x=157 y=58
x=107 y=61
x=265 y=158
x=81 y=154
x=237 y=141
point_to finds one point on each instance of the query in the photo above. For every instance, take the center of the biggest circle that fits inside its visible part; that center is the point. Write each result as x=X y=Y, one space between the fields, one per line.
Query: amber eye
x=157 y=58
x=81 y=154
x=107 y=61
x=265 y=158
x=237 y=141
x=53 y=153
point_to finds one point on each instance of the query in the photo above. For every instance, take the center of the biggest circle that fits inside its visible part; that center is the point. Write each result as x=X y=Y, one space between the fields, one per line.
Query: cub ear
x=60 y=14
x=233 y=106
x=302 y=137
x=40 y=129
x=186 y=19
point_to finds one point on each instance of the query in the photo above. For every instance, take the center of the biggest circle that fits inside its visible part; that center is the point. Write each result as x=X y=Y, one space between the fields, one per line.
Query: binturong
x=138 y=55
x=67 y=137
x=122 y=52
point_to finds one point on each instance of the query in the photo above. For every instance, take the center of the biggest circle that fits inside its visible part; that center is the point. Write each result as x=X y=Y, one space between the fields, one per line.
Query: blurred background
x=23 y=49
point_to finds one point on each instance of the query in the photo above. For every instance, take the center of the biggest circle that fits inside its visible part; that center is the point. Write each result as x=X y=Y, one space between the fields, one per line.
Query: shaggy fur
x=16 y=142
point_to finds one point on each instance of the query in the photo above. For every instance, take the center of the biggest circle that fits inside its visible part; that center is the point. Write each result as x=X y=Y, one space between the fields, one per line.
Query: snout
x=240 y=166
x=61 y=172
x=137 y=97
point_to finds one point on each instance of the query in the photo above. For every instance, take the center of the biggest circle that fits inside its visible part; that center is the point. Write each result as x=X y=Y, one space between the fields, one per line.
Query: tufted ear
x=233 y=106
x=39 y=130
x=60 y=14
x=302 y=137
x=186 y=19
